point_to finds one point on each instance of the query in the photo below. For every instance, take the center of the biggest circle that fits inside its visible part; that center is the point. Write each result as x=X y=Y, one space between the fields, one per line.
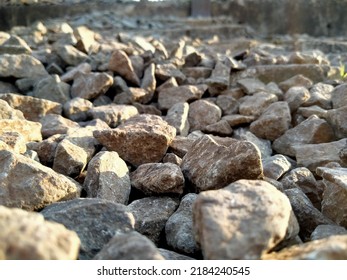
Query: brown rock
x=251 y=85
x=172 y=158
x=30 y=130
x=220 y=128
x=274 y=167
x=197 y=72
x=149 y=82
x=220 y=78
x=228 y=104
x=208 y=165
x=141 y=139
x=295 y=81
x=74 y=72
x=85 y=39
x=256 y=104
x=313 y=110
x=236 y=120
x=70 y=55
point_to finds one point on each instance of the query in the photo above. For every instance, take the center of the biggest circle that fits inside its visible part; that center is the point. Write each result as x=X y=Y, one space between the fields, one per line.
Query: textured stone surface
x=27 y=236
x=13 y=141
x=339 y=96
x=337 y=119
x=324 y=231
x=7 y=112
x=30 y=130
x=320 y=94
x=256 y=104
x=55 y=124
x=70 y=55
x=297 y=80
x=177 y=116
x=296 y=96
x=77 y=108
x=108 y=178
x=229 y=225
x=39 y=187
x=251 y=85
x=95 y=221
x=141 y=139
x=274 y=167
x=209 y=165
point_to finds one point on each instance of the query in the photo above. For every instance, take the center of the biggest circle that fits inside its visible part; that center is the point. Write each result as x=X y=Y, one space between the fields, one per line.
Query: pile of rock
x=146 y=148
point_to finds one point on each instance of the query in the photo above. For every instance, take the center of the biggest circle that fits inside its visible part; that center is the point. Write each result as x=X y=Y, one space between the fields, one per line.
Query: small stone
x=141 y=139
x=140 y=95
x=15 y=45
x=30 y=130
x=7 y=87
x=313 y=110
x=177 y=116
x=149 y=82
x=311 y=131
x=91 y=85
x=13 y=141
x=274 y=167
x=171 y=82
x=202 y=113
x=209 y=165
x=27 y=236
x=70 y=55
x=197 y=72
x=320 y=95
x=129 y=246
x=96 y=221
x=251 y=85
x=147 y=109
x=295 y=81
x=85 y=39
x=324 y=231
x=228 y=104
x=39 y=187
x=180 y=145
x=339 y=96
x=77 y=109
x=220 y=128
x=158 y=178
x=71 y=74
x=256 y=104
x=179 y=227
x=229 y=225
x=220 y=78
x=274 y=122
x=108 y=178
x=163 y=72
x=55 y=124
x=151 y=215
x=337 y=119
x=193 y=59
x=7 y=112
x=296 y=96
x=236 y=119
x=121 y=64
x=172 y=158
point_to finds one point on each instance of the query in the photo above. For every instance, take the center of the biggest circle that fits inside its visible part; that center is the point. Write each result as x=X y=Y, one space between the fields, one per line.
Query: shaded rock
x=209 y=165
x=197 y=72
x=337 y=119
x=149 y=82
x=13 y=141
x=331 y=248
x=308 y=216
x=172 y=158
x=221 y=128
x=151 y=215
x=147 y=109
x=171 y=255
x=320 y=94
x=27 y=236
x=141 y=139
x=122 y=65
x=177 y=116
x=96 y=221
x=32 y=108
x=53 y=89
x=339 y=96
x=166 y=71
x=314 y=155
x=140 y=95
x=77 y=109
x=251 y=85
x=311 y=131
x=158 y=178
x=113 y=114
x=129 y=246
x=108 y=178
x=313 y=110
x=229 y=225
x=7 y=87
x=39 y=187
x=172 y=95
x=171 y=82
x=219 y=79
x=274 y=167
x=179 y=231
x=85 y=39
x=138 y=64
x=15 y=45
x=228 y=104
x=296 y=96
x=256 y=104
x=295 y=81
x=74 y=72
x=180 y=145
x=203 y=113
x=70 y=55
x=91 y=85
x=7 y=112
x=30 y=130
x=274 y=122
x=324 y=231
x=236 y=120
x=21 y=66
x=55 y=124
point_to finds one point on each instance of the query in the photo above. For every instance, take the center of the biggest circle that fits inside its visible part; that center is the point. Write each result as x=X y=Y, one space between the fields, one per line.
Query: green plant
x=343 y=73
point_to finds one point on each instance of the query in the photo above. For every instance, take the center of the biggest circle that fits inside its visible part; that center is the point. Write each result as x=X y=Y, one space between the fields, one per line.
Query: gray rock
x=172 y=158
x=337 y=119
x=295 y=81
x=209 y=165
x=220 y=128
x=219 y=79
x=129 y=246
x=27 y=236
x=75 y=71
x=251 y=85
x=256 y=104
x=296 y=96
x=7 y=87
x=55 y=124
x=151 y=215
x=229 y=225
x=85 y=39
x=339 y=96
x=236 y=120
x=77 y=108
x=149 y=82
x=324 y=231
x=313 y=110
x=320 y=95
x=108 y=178
x=70 y=55
x=29 y=185
x=177 y=116
x=15 y=45
x=96 y=221
x=274 y=167
x=166 y=71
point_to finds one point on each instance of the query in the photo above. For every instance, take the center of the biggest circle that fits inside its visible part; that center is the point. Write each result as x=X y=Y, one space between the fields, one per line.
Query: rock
x=313 y=110
x=228 y=104
x=251 y=85
x=172 y=95
x=320 y=95
x=172 y=158
x=74 y=72
x=53 y=89
x=236 y=120
x=138 y=64
x=77 y=109
x=171 y=255
x=122 y=65
x=274 y=122
x=129 y=246
x=177 y=116
x=336 y=118
x=55 y=124
x=331 y=248
x=149 y=82
x=39 y=187
x=15 y=45
x=229 y=225
x=91 y=85
x=179 y=227
x=21 y=66
x=296 y=96
x=113 y=114
x=96 y=221
x=197 y=72
x=221 y=128
x=209 y=165
x=70 y=55
x=30 y=130
x=27 y=236
x=308 y=216
x=203 y=113
x=171 y=82
x=85 y=39
x=108 y=178
x=13 y=141
x=141 y=139
x=140 y=95
x=295 y=81
x=339 y=96
x=324 y=231
x=32 y=108
x=335 y=194
x=147 y=109
x=315 y=155
x=158 y=178
x=219 y=79
x=256 y=104
x=163 y=72
x=7 y=112
x=274 y=167
x=151 y=215
x=311 y=131
x=7 y=87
